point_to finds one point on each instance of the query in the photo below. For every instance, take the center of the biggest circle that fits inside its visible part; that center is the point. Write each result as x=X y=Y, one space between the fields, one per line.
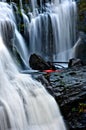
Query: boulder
x=75 y=62
x=38 y=63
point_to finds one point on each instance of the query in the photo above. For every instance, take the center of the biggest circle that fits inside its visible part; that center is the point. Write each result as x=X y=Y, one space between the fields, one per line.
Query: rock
x=75 y=62
x=45 y=82
x=81 y=4
x=69 y=90
x=38 y=63
x=68 y=87
x=79 y=49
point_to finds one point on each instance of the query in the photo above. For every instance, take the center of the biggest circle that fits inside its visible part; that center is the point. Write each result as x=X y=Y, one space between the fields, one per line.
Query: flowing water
x=9 y=32
x=49 y=29
x=24 y=102
x=52 y=32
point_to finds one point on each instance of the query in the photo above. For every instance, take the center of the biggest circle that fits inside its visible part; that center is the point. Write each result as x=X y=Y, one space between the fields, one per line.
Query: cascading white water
x=24 y=102
x=10 y=34
x=53 y=32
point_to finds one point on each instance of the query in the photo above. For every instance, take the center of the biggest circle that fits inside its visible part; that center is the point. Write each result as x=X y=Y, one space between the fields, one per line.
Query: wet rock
x=38 y=63
x=69 y=88
x=79 y=49
x=75 y=62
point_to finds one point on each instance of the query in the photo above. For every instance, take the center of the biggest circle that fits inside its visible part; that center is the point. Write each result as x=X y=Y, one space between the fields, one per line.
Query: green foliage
x=74 y=109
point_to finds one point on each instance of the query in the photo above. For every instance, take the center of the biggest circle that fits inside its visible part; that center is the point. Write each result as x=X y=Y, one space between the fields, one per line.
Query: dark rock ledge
x=69 y=89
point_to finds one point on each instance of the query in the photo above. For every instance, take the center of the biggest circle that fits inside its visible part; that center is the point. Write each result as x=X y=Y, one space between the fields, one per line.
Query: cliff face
x=81 y=4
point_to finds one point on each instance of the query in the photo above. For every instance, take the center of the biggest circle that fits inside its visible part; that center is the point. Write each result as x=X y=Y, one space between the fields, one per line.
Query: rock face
x=79 y=49
x=69 y=89
x=81 y=4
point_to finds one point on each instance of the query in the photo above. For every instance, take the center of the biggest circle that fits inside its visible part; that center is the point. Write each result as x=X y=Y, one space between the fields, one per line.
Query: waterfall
x=52 y=32
x=11 y=37
x=24 y=102
x=49 y=29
